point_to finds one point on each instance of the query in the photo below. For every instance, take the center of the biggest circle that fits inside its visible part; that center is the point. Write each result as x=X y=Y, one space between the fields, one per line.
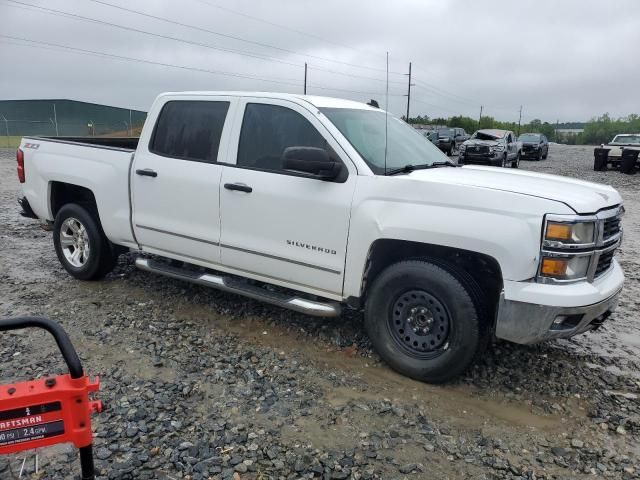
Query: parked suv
x=491 y=147
x=446 y=140
x=534 y=146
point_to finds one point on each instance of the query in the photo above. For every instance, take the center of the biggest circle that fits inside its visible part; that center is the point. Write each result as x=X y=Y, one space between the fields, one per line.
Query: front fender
x=505 y=226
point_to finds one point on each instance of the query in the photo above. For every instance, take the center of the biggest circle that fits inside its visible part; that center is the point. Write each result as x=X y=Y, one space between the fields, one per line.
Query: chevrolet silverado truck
x=621 y=152
x=499 y=148
x=306 y=203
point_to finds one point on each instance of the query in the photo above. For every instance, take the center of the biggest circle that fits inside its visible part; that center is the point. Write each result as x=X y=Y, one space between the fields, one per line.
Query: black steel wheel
x=419 y=323
x=426 y=320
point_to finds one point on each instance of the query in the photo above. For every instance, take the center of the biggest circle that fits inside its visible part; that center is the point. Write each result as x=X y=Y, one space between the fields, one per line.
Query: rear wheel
x=423 y=321
x=81 y=246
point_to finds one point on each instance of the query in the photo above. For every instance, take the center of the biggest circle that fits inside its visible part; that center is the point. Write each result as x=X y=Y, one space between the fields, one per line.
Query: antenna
x=386 y=117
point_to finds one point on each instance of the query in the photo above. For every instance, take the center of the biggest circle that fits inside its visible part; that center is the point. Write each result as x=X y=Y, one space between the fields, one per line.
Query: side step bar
x=232 y=285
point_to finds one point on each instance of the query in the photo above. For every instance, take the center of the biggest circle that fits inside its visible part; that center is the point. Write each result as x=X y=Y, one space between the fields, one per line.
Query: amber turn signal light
x=558 y=231
x=554 y=267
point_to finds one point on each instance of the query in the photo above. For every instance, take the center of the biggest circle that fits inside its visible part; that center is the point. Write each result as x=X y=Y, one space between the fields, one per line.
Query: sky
x=566 y=60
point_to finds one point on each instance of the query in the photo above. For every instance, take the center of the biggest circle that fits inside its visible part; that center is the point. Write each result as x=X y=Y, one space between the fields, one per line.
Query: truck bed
x=122 y=143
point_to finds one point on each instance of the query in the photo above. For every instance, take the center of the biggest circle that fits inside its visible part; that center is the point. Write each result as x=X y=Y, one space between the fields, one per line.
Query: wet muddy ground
x=200 y=384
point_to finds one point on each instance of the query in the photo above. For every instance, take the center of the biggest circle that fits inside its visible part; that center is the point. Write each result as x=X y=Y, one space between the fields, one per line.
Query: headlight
x=565 y=268
x=569 y=233
x=498 y=148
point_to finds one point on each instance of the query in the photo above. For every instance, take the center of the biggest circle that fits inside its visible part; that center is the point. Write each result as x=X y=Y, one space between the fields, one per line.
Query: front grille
x=610 y=227
x=528 y=148
x=478 y=150
x=604 y=262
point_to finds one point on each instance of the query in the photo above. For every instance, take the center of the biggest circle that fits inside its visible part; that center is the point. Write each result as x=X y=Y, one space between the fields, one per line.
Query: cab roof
x=317 y=101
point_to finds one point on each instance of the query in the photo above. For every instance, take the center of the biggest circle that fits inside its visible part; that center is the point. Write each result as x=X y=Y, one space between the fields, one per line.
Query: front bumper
x=480 y=158
x=556 y=311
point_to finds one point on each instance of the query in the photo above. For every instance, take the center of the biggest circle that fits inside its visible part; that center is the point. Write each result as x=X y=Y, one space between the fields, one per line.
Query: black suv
x=450 y=139
x=534 y=146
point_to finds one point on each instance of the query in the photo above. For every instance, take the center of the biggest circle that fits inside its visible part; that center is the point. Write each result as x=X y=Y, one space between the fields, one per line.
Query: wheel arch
x=62 y=193
x=483 y=269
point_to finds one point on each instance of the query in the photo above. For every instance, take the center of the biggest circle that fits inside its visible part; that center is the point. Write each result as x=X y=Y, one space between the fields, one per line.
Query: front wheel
x=516 y=163
x=81 y=246
x=423 y=321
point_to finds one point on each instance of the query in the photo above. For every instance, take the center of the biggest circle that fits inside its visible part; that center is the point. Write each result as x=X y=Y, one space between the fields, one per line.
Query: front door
x=279 y=226
x=175 y=180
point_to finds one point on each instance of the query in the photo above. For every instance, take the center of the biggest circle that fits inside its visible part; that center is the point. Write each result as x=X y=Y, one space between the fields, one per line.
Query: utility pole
x=409 y=92
x=557 y=122
x=480 y=117
x=305 y=78
x=519 y=120
x=55 y=119
x=130 y=124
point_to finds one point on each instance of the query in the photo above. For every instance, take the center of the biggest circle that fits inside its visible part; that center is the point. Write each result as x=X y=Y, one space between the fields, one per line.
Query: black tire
x=546 y=154
x=101 y=256
x=504 y=161
x=599 y=164
x=628 y=165
x=450 y=151
x=516 y=163
x=540 y=156
x=449 y=302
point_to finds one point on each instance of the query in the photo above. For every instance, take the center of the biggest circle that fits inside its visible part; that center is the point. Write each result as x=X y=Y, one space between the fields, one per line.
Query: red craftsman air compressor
x=51 y=410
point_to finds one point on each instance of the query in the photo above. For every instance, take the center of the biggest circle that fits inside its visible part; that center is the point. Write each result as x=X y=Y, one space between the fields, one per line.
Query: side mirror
x=314 y=161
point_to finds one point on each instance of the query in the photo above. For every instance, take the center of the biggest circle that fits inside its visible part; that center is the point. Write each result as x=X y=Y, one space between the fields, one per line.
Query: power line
x=167 y=37
x=233 y=37
x=282 y=81
x=285 y=27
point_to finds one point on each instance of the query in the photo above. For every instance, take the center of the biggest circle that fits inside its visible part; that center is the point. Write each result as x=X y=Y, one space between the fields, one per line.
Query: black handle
x=147 y=172
x=239 y=187
x=62 y=339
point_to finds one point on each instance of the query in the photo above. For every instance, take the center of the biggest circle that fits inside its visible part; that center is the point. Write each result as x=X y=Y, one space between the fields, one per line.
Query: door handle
x=147 y=172
x=240 y=187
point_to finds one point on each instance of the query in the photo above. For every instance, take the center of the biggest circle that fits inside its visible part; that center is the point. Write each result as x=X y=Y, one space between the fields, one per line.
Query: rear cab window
x=189 y=130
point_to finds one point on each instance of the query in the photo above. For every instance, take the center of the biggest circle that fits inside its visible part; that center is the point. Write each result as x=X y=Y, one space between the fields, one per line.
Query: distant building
x=60 y=117
x=569 y=131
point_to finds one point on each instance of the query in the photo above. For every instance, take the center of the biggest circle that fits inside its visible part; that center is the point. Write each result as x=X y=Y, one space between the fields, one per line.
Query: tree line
x=598 y=130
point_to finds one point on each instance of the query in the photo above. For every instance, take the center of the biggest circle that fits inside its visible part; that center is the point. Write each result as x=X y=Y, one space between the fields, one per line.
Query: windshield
x=529 y=137
x=487 y=135
x=445 y=132
x=627 y=139
x=365 y=131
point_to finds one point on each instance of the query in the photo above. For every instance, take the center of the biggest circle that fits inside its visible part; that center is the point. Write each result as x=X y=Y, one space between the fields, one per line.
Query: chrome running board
x=230 y=284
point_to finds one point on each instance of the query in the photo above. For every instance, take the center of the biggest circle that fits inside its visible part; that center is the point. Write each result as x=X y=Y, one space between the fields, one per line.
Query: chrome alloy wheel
x=74 y=242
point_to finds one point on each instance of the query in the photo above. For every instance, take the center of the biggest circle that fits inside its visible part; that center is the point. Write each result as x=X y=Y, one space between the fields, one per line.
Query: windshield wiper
x=424 y=166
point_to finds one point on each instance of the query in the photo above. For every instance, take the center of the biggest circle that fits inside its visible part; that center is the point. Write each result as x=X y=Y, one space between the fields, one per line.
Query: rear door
x=279 y=226
x=176 y=179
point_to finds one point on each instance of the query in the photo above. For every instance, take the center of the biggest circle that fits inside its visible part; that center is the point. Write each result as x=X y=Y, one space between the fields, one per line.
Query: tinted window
x=189 y=130
x=267 y=130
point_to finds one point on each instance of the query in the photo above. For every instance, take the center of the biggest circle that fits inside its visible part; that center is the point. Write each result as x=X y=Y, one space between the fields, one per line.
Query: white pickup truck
x=301 y=202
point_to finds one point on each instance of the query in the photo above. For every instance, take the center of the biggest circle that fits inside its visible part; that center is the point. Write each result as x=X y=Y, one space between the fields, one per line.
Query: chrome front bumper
x=527 y=323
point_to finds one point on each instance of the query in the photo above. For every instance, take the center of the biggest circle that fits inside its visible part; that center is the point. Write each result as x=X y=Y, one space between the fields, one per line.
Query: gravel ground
x=199 y=384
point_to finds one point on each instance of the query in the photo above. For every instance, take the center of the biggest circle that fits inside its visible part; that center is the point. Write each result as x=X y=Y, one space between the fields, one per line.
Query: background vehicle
x=300 y=202
x=498 y=148
x=447 y=140
x=534 y=146
x=432 y=135
x=613 y=153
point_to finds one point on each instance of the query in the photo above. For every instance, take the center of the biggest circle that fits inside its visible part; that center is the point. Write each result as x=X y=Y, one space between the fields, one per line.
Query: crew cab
x=319 y=205
x=499 y=148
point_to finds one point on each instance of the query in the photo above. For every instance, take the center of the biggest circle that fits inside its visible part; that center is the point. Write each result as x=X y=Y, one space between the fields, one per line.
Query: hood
x=487 y=143
x=583 y=197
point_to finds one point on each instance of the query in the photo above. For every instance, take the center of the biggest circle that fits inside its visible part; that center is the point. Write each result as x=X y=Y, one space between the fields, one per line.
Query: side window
x=267 y=130
x=189 y=130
